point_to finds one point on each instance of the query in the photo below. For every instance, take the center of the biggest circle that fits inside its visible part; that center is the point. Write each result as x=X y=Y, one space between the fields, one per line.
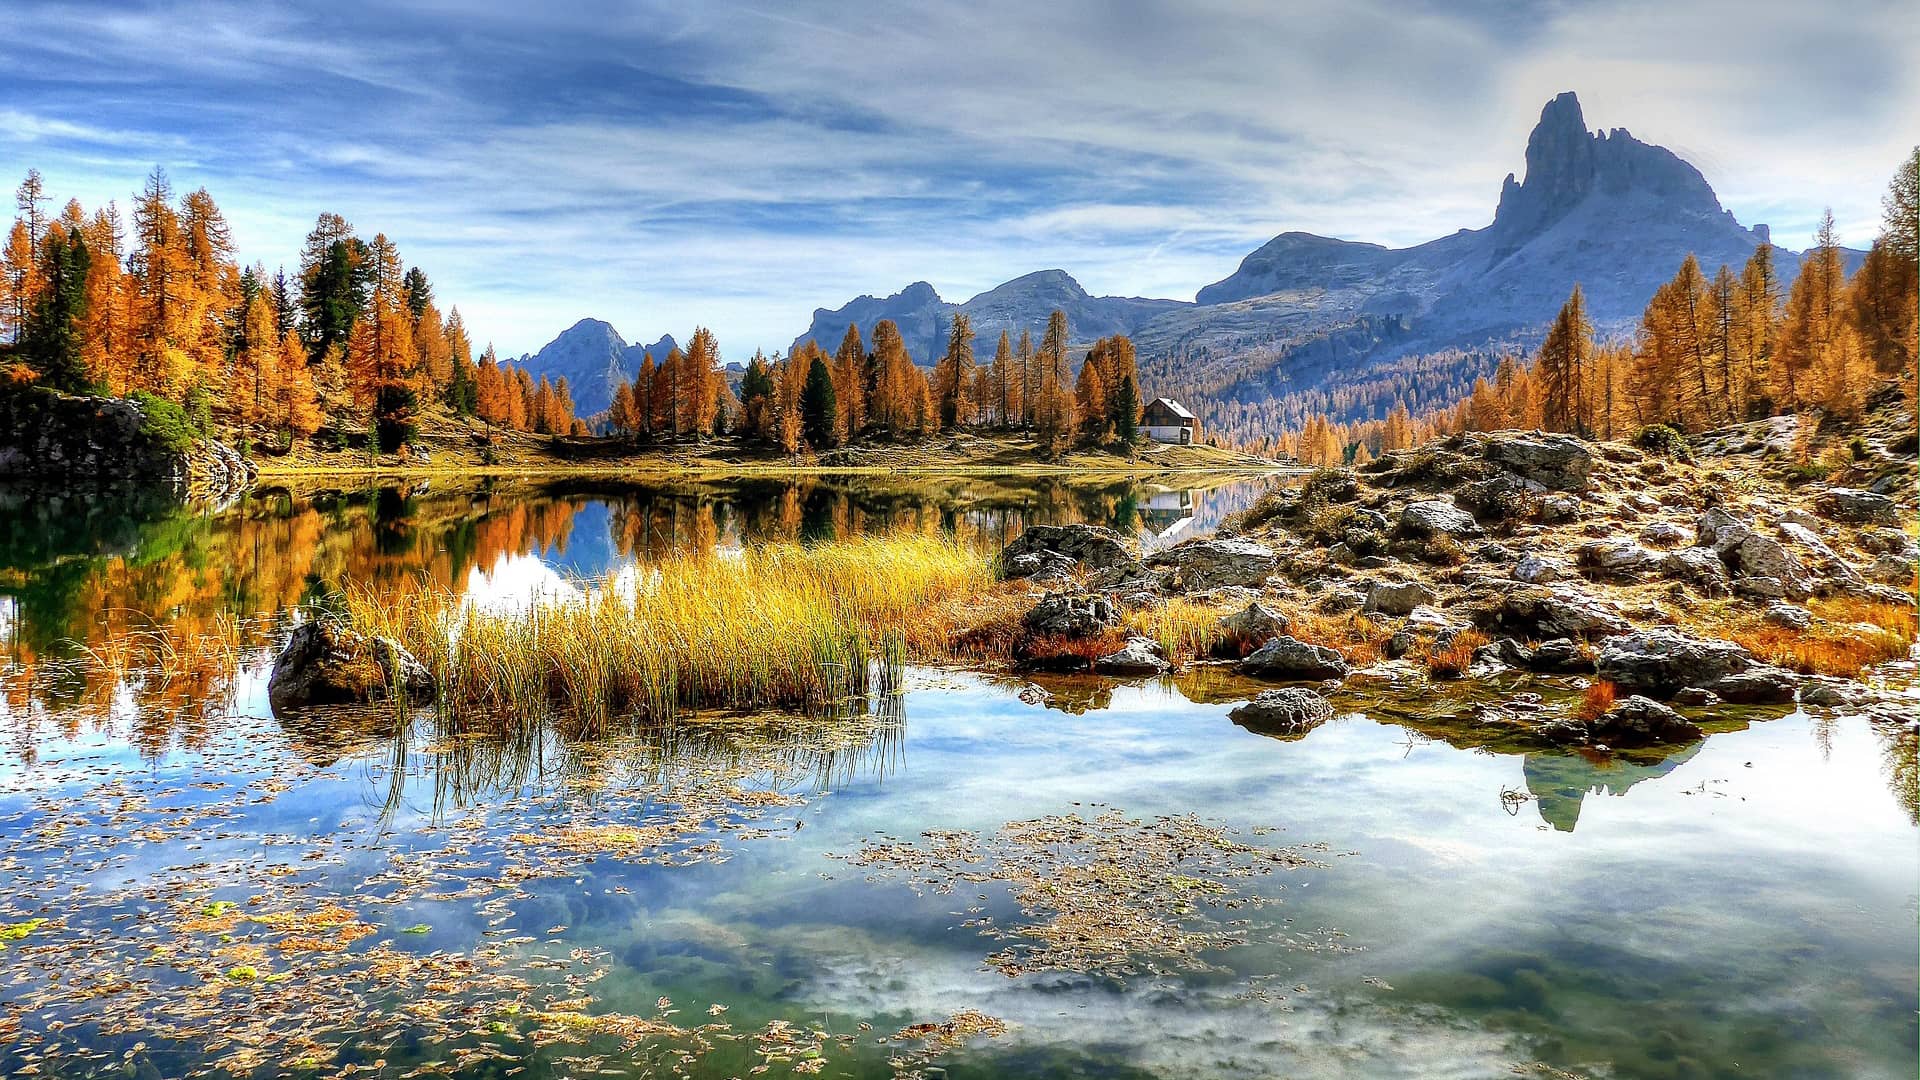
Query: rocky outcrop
x=1043 y=548
x=1549 y=611
x=88 y=442
x=1290 y=659
x=1069 y=616
x=1210 y=564
x=327 y=663
x=1557 y=462
x=1289 y=712
x=1661 y=663
x=1431 y=517
x=1855 y=507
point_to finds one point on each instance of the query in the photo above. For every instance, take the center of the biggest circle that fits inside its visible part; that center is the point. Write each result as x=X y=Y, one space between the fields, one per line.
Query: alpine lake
x=979 y=875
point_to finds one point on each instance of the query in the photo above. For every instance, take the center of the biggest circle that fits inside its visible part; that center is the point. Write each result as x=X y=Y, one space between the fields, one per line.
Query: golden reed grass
x=779 y=626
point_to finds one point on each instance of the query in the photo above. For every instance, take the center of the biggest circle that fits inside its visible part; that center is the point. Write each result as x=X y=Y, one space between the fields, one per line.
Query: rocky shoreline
x=88 y=442
x=1600 y=564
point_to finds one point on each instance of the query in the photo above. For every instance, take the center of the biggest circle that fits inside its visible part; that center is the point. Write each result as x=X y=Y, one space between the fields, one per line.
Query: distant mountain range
x=594 y=359
x=1603 y=209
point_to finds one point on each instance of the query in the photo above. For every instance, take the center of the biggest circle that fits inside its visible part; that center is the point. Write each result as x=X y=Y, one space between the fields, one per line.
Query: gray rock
x=325 y=662
x=1758 y=685
x=1618 y=559
x=1539 y=569
x=1694 y=695
x=1431 y=517
x=1892 y=570
x=1562 y=657
x=1040 y=566
x=1092 y=546
x=1750 y=555
x=1287 y=712
x=1504 y=653
x=1554 y=509
x=1287 y=658
x=1660 y=663
x=1400 y=644
x=1710 y=523
x=1340 y=601
x=1791 y=616
x=1664 y=534
x=1560 y=462
x=1141 y=656
x=1552 y=611
x=1255 y=623
x=1854 y=506
x=1796 y=516
x=1069 y=616
x=1209 y=564
x=1398 y=597
x=1637 y=721
x=1698 y=567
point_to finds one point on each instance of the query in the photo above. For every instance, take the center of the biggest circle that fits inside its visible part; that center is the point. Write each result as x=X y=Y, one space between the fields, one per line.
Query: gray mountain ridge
x=1597 y=208
x=594 y=359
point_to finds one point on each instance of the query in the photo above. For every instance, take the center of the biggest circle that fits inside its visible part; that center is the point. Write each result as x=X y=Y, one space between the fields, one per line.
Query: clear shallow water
x=1742 y=907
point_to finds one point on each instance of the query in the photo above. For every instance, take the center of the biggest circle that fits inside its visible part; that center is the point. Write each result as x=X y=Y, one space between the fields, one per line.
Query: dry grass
x=1597 y=700
x=1357 y=637
x=1183 y=628
x=778 y=626
x=1453 y=661
x=1848 y=635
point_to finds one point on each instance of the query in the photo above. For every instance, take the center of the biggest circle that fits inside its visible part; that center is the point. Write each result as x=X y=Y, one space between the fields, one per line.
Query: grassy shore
x=464 y=447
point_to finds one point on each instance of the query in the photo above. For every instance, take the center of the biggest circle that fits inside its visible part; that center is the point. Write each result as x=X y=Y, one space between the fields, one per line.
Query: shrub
x=1452 y=661
x=165 y=423
x=1596 y=702
x=1664 y=440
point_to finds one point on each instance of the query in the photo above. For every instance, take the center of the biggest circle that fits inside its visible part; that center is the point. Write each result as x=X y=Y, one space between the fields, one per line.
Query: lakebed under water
x=981 y=876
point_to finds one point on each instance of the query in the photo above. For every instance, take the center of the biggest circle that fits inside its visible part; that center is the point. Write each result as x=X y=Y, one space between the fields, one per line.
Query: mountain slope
x=1025 y=303
x=593 y=358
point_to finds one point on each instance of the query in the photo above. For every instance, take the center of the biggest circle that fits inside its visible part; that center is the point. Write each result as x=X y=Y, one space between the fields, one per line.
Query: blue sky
x=739 y=164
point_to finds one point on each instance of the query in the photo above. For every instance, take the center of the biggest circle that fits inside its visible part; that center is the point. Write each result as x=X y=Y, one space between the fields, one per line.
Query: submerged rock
x=1291 y=711
x=327 y=663
x=1289 y=658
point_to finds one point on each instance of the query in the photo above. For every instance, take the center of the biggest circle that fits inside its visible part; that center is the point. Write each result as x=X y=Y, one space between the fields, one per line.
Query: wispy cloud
x=740 y=162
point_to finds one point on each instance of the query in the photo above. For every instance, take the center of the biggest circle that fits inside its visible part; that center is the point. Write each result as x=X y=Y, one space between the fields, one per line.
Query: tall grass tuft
x=786 y=626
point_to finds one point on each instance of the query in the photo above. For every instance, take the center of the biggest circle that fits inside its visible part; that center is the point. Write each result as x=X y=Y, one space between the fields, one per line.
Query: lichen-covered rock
x=1855 y=507
x=1660 y=663
x=1092 y=546
x=327 y=663
x=1256 y=623
x=1069 y=616
x=1536 y=569
x=1210 y=564
x=1709 y=524
x=1555 y=611
x=1760 y=565
x=1288 y=712
x=1398 y=597
x=1140 y=656
x=1431 y=517
x=1286 y=659
x=1560 y=462
x=1698 y=567
x=1619 y=559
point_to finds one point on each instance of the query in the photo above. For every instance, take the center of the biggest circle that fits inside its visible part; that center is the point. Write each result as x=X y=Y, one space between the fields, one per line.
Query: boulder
x=1560 y=462
x=1431 y=517
x=1537 y=569
x=1398 y=597
x=1069 y=616
x=1750 y=555
x=1092 y=546
x=1664 y=534
x=1291 y=711
x=1562 y=657
x=1140 y=656
x=1210 y=564
x=325 y=662
x=1288 y=659
x=1040 y=566
x=1637 y=721
x=1255 y=622
x=1551 y=611
x=1709 y=524
x=1660 y=663
x=1758 y=685
x=1855 y=507
x=1791 y=616
x=1618 y=559
x=1698 y=567
x=1504 y=653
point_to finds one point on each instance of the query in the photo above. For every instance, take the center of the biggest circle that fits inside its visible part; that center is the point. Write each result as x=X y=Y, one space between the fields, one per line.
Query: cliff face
x=82 y=442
